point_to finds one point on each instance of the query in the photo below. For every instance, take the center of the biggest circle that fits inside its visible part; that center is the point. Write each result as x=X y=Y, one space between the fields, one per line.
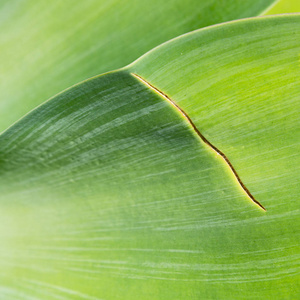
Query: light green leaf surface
x=107 y=191
x=47 y=46
x=284 y=6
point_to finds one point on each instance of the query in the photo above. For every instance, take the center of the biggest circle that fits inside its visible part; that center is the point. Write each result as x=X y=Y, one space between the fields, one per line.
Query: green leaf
x=284 y=6
x=47 y=46
x=109 y=192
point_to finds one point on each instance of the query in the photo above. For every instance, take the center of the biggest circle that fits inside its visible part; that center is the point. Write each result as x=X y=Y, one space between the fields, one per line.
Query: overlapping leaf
x=109 y=193
x=47 y=46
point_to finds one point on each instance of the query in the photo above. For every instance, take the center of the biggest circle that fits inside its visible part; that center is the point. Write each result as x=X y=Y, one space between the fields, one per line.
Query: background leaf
x=108 y=192
x=284 y=6
x=49 y=46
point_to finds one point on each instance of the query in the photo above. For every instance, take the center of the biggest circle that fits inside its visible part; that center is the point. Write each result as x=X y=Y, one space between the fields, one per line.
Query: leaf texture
x=107 y=191
x=49 y=46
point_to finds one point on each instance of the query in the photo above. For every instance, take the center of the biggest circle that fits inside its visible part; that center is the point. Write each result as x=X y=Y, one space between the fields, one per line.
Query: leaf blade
x=150 y=212
x=58 y=44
